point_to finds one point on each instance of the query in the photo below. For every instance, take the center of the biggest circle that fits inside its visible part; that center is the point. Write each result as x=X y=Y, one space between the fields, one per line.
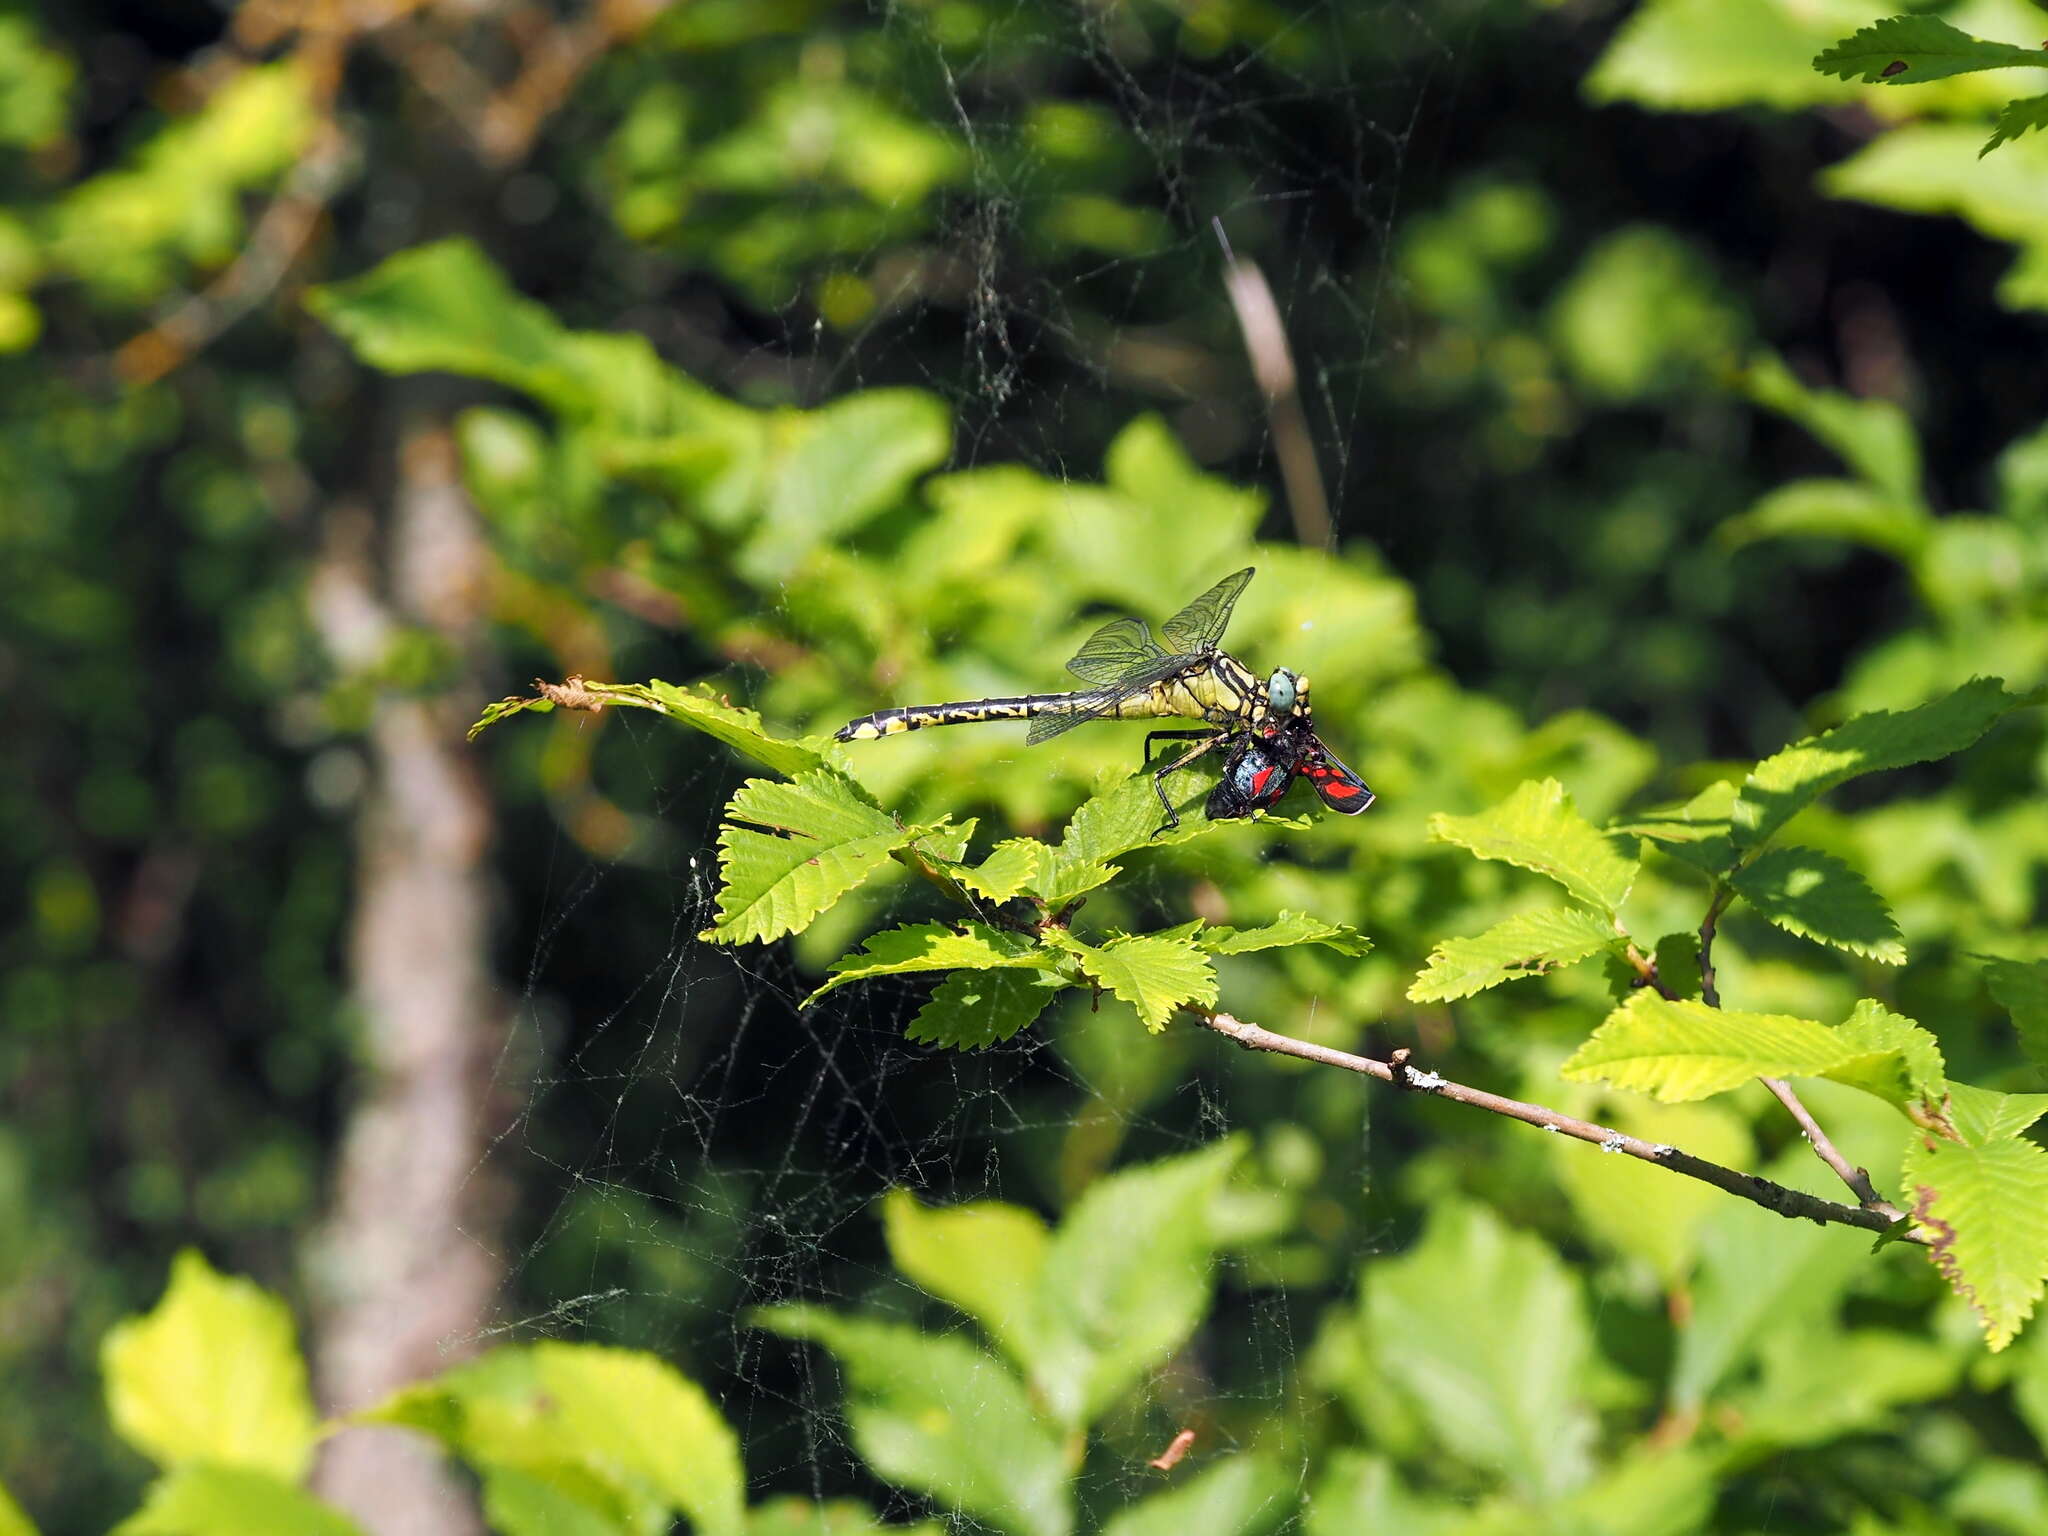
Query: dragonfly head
x=1286 y=695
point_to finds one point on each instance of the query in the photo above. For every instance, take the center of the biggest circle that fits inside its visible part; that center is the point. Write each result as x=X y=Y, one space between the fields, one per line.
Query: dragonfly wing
x=1104 y=701
x=1120 y=649
x=1200 y=625
x=1341 y=789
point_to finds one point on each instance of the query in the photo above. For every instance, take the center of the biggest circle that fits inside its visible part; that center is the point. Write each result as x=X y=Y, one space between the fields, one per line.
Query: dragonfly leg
x=1205 y=742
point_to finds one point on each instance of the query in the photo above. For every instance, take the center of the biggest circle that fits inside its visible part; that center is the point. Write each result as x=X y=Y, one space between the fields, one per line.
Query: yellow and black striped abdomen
x=1218 y=689
x=915 y=717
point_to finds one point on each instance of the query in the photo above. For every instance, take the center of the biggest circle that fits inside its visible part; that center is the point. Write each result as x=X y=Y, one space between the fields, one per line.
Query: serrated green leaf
x=1154 y=975
x=1818 y=897
x=1685 y=1050
x=1902 y=1063
x=1986 y=1208
x=934 y=1413
x=1527 y=944
x=1126 y=1280
x=970 y=1010
x=1106 y=827
x=1009 y=867
x=1288 y=929
x=2021 y=988
x=740 y=729
x=1850 y=510
x=200 y=1499
x=772 y=885
x=1873 y=437
x=984 y=1257
x=1537 y=829
x=1696 y=831
x=931 y=947
x=1928 y=47
x=2014 y=119
x=1981 y=1115
x=1485 y=1329
x=212 y=1374
x=1787 y=782
x=1243 y=1496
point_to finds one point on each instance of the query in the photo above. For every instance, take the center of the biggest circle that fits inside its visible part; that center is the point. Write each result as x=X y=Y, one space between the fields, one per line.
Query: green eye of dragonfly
x=1130 y=676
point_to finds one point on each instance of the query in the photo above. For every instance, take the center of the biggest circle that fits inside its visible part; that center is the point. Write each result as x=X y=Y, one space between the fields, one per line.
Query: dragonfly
x=1264 y=728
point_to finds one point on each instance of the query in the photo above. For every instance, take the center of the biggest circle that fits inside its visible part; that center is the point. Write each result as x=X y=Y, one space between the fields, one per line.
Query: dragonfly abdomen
x=915 y=717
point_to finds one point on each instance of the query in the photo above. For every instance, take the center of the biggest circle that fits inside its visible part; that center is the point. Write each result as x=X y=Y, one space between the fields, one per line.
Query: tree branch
x=1774 y=1197
x=1858 y=1179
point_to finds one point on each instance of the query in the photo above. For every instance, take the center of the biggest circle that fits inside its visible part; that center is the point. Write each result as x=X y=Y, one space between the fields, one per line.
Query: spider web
x=691 y=1143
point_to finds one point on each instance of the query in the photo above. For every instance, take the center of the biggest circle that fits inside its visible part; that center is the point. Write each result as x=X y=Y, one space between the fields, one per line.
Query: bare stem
x=1858 y=1179
x=1746 y=1186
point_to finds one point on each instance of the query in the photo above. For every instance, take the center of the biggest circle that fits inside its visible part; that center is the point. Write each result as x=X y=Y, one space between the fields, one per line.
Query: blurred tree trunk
x=409 y=1261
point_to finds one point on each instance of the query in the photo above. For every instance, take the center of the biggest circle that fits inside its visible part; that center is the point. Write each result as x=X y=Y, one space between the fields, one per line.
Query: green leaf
x=831 y=840
x=971 y=1010
x=1485 y=1330
x=2021 y=987
x=202 y=1499
x=1286 y=930
x=1902 y=1063
x=932 y=947
x=1761 y=1279
x=2014 y=119
x=639 y=1418
x=740 y=729
x=1981 y=1116
x=561 y=1499
x=1849 y=510
x=984 y=1257
x=850 y=460
x=1677 y=958
x=1786 y=783
x=1928 y=47
x=1243 y=1496
x=1705 y=55
x=1106 y=827
x=1685 y=1050
x=1536 y=828
x=212 y=1374
x=1822 y=1385
x=1009 y=867
x=1696 y=832
x=14 y=1519
x=1527 y=944
x=1126 y=1280
x=935 y=1414
x=1873 y=437
x=1154 y=975
x=1818 y=897
x=1986 y=1208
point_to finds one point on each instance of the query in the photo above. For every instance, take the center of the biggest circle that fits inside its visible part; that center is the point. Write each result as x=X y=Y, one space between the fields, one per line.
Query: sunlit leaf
x=1154 y=975
x=1706 y=55
x=828 y=838
x=1981 y=1115
x=1009 y=867
x=2016 y=118
x=14 y=1520
x=1527 y=944
x=931 y=947
x=1849 y=510
x=1536 y=828
x=971 y=1010
x=1286 y=930
x=212 y=1374
x=1901 y=1063
x=1683 y=1050
x=1986 y=1208
x=1696 y=831
x=1818 y=897
x=1787 y=782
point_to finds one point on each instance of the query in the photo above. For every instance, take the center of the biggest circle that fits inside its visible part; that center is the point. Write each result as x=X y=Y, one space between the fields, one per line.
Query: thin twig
x=1709 y=993
x=1773 y=1197
x=1858 y=1179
